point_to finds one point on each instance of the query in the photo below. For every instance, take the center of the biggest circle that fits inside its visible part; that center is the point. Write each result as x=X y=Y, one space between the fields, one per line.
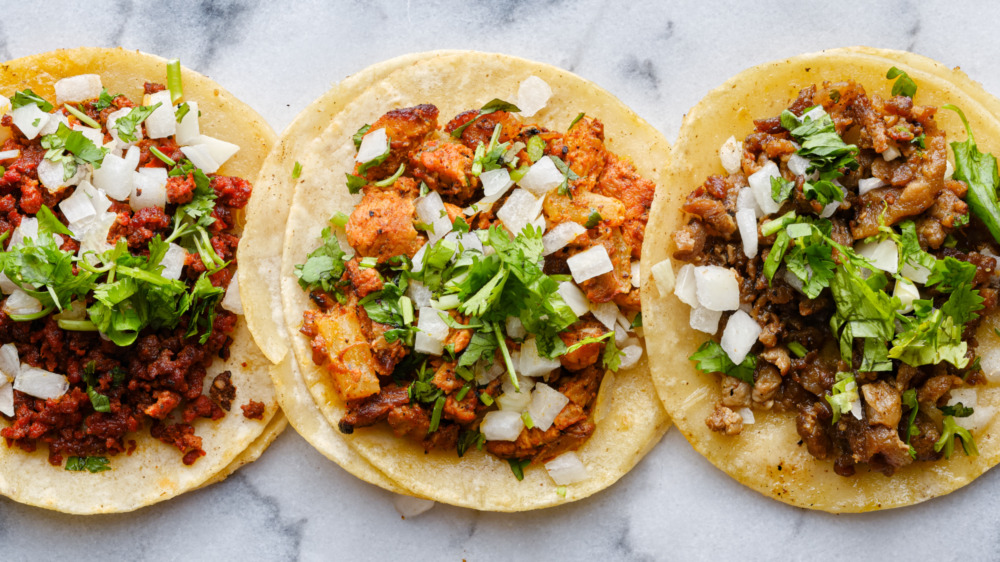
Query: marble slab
x=660 y=58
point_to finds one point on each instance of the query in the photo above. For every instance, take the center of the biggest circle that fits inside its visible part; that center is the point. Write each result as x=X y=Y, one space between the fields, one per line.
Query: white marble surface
x=660 y=58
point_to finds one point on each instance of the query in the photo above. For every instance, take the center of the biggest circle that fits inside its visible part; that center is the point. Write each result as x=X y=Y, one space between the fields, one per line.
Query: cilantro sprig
x=826 y=151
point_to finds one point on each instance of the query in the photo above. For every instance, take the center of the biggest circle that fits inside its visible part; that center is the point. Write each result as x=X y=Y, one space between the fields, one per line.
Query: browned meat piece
x=689 y=240
x=364 y=280
x=481 y=131
x=406 y=128
x=882 y=404
x=578 y=208
x=867 y=441
x=621 y=181
x=445 y=379
x=382 y=226
x=409 y=420
x=253 y=410
x=812 y=423
x=371 y=410
x=777 y=356
x=586 y=155
x=223 y=392
x=724 y=420
x=766 y=386
x=541 y=446
x=712 y=203
x=461 y=411
x=385 y=355
x=928 y=434
x=446 y=167
x=936 y=388
x=586 y=355
x=938 y=222
x=445 y=438
x=735 y=393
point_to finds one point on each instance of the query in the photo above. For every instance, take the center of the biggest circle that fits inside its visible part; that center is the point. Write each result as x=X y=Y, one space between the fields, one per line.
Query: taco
x=840 y=334
x=127 y=375
x=379 y=359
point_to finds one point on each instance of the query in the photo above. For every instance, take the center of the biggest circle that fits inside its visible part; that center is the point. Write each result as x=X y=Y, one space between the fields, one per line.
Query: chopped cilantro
x=126 y=125
x=355 y=183
x=781 y=189
x=904 y=85
x=27 y=97
x=958 y=410
x=181 y=111
x=82 y=117
x=576 y=120
x=360 y=135
x=798 y=349
x=90 y=464
x=528 y=422
x=392 y=179
x=910 y=401
x=162 y=157
x=436 y=415
x=517 y=467
x=827 y=153
x=843 y=394
x=593 y=219
x=949 y=432
x=469 y=438
x=568 y=175
x=979 y=171
x=712 y=358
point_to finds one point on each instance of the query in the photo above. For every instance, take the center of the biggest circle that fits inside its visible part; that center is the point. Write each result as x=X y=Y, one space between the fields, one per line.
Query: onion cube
x=868 y=184
x=78 y=88
x=739 y=336
x=10 y=363
x=7 y=399
x=20 y=303
x=9 y=154
x=731 y=154
x=41 y=383
x=747 y=222
x=495 y=183
x=917 y=274
x=115 y=177
x=890 y=154
x=635 y=274
x=717 y=287
x=149 y=189
x=55 y=119
x=515 y=400
x=542 y=177
x=532 y=364
x=78 y=208
x=686 y=287
x=433 y=331
x=760 y=185
x=663 y=276
x=173 y=263
x=590 y=263
x=798 y=164
x=487 y=374
x=6 y=285
x=218 y=149
x=532 y=95
x=515 y=328
x=520 y=208
x=830 y=209
x=747 y=415
x=30 y=120
x=907 y=293
x=188 y=129
x=373 y=145
x=746 y=200
x=574 y=298
x=560 y=236
x=793 y=280
x=501 y=425
x=705 y=320
x=231 y=301
x=566 y=469
x=161 y=123
x=51 y=175
x=606 y=313
x=200 y=156
x=546 y=403
x=419 y=293
x=949 y=170
x=93 y=135
x=28 y=230
x=884 y=255
x=630 y=356
x=409 y=506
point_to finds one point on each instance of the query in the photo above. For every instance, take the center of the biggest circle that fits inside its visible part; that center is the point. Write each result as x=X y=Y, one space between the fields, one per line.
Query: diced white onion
x=907 y=293
x=705 y=320
x=630 y=356
x=636 y=274
x=95 y=237
x=149 y=189
x=793 y=280
x=495 y=183
x=739 y=336
x=663 y=276
x=546 y=403
x=918 y=274
x=20 y=303
x=542 y=177
x=51 y=175
x=532 y=95
x=566 y=469
x=760 y=184
x=77 y=310
x=465 y=241
x=621 y=334
x=746 y=200
x=883 y=255
x=501 y=425
x=27 y=230
x=30 y=120
x=512 y=400
x=231 y=301
x=731 y=154
x=10 y=362
x=409 y=506
x=431 y=211
x=9 y=154
x=373 y=145
x=78 y=208
x=41 y=383
x=868 y=184
x=486 y=375
x=419 y=294
x=218 y=149
x=78 y=88
x=188 y=129
x=717 y=287
x=515 y=328
x=200 y=156
x=798 y=164
x=418 y=259
x=520 y=208
x=112 y=125
x=574 y=298
x=813 y=114
x=590 y=263
x=949 y=170
x=747 y=223
x=856 y=407
x=6 y=285
x=686 y=287
x=606 y=313
x=747 y=415
x=115 y=177
x=830 y=209
x=533 y=364
x=561 y=235
x=162 y=122
x=890 y=154
x=7 y=399
x=93 y=135
x=989 y=358
x=55 y=119
x=433 y=331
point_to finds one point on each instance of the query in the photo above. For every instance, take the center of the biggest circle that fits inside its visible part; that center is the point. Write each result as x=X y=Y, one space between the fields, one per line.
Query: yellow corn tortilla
x=766 y=455
x=455 y=82
x=154 y=472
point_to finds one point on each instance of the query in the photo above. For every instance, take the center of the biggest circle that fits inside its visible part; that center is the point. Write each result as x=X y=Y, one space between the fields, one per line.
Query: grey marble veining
x=658 y=57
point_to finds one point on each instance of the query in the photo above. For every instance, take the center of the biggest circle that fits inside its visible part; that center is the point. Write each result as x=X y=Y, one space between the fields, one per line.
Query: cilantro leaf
x=904 y=85
x=826 y=151
x=712 y=358
x=843 y=395
x=324 y=266
x=90 y=464
x=979 y=171
x=949 y=432
x=126 y=125
x=27 y=97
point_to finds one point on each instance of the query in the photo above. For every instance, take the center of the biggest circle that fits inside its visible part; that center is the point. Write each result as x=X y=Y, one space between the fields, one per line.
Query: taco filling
x=846 y=262
x=484 y=285
x=118 y=272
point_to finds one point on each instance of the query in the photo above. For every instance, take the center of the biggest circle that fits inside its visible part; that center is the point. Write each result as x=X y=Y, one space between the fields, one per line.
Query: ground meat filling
x=900 y=144
x=155 y=383
x=383 y=226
